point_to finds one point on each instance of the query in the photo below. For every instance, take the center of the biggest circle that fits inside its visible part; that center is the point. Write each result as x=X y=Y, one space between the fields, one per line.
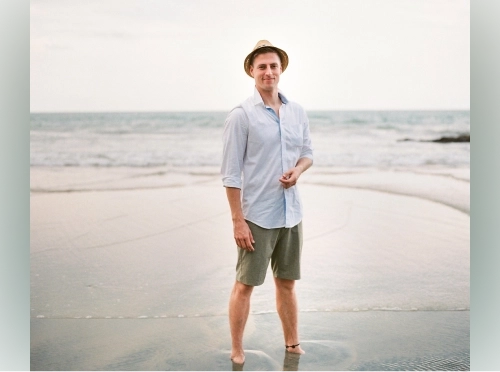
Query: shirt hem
x=274 y=227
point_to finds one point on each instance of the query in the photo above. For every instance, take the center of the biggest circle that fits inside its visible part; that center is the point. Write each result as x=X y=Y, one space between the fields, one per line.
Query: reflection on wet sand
x=290 y=363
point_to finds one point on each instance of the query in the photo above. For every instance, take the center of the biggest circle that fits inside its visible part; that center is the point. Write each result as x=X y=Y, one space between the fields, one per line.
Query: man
x=266 y=149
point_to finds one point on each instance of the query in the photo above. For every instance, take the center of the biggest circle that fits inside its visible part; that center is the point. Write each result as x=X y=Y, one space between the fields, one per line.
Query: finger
x=248 y=242
x=251 y=240
x=241 y=243
x=251 y=237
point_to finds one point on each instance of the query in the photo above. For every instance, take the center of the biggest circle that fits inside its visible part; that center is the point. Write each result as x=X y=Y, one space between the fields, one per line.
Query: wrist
x=238 y=218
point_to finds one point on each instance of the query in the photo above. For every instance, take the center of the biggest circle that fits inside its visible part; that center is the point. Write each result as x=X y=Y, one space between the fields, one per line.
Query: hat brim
x=281 y=53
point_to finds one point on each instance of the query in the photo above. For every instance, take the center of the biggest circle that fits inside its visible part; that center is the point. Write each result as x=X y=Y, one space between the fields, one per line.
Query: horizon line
x=218 y=111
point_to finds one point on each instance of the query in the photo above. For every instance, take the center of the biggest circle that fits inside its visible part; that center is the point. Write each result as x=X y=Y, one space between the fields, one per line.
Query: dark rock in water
x=460 y=138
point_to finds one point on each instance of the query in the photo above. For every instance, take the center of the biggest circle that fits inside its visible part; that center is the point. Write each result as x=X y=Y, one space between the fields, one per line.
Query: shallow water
x=437 y=340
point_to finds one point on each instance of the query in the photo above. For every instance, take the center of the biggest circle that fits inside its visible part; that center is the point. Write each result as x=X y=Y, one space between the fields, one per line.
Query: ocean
x=382 y=139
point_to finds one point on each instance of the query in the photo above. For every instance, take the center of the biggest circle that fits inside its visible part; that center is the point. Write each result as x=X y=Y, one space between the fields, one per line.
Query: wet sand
x=436 y=340
x=131 y=269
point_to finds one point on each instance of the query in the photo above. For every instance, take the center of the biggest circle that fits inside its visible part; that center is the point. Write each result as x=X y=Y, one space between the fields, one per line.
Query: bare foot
x=295 y=350
x=238 y=357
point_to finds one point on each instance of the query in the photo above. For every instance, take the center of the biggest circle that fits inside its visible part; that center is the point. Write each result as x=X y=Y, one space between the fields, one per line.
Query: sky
x=173 y=55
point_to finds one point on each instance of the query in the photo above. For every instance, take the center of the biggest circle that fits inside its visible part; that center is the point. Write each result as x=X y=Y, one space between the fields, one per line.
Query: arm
x=242 y=234
x=235 y=141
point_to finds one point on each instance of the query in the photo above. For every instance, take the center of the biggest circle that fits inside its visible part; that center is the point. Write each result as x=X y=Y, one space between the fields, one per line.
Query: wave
x=354 y=139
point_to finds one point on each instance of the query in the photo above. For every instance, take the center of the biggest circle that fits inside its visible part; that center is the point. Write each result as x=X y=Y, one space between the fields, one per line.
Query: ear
x=251 y=70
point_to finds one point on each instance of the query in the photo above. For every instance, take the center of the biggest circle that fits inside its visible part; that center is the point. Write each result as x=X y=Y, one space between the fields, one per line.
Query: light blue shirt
x=258 y=148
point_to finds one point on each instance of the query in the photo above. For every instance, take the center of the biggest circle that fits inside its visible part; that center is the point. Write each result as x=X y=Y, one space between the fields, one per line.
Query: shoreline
x=450 y=186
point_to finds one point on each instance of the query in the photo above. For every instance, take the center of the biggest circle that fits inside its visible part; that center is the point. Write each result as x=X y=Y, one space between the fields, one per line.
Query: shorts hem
x=287 y=277
x=248 y=282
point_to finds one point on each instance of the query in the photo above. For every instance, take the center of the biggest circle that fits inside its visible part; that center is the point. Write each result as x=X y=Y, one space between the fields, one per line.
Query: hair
x=263 y=50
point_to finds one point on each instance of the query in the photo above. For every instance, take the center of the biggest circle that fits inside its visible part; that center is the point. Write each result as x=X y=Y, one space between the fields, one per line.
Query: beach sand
x=131 y=269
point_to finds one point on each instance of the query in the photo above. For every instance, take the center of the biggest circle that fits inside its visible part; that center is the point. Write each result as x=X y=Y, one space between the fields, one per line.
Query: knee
x=242 y=290
x=285 y=285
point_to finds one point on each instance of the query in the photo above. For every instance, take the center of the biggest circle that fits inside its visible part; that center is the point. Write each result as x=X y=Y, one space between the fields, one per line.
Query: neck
x=270 y=97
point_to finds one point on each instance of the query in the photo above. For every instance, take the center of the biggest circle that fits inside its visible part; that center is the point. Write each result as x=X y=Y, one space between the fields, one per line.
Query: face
x=266 y=71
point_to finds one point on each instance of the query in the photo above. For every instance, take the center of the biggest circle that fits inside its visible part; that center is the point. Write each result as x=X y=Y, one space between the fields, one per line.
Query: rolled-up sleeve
x=307 y=151
x=234 y=146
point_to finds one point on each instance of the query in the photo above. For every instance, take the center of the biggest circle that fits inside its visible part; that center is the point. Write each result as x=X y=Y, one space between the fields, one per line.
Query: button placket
x=284 y=160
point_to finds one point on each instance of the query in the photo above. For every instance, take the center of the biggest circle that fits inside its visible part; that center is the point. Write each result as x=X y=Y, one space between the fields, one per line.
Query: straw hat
x=265 y=43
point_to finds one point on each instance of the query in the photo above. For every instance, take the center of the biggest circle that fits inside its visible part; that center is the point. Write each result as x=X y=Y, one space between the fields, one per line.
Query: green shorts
x=282 y=246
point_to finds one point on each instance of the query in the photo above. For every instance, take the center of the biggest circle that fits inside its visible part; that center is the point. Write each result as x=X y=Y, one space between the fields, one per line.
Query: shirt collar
x=258 y=99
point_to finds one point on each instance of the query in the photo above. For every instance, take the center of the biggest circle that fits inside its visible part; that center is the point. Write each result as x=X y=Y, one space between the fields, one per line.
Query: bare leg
x=286 y=304
x=239 y=307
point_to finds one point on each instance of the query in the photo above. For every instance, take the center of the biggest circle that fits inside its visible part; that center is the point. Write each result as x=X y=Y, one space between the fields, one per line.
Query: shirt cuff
x=231 y=182
x=307 y=155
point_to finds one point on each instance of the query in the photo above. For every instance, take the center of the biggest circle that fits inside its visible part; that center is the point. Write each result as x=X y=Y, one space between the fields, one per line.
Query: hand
x=243 y=235
x=290 y=177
